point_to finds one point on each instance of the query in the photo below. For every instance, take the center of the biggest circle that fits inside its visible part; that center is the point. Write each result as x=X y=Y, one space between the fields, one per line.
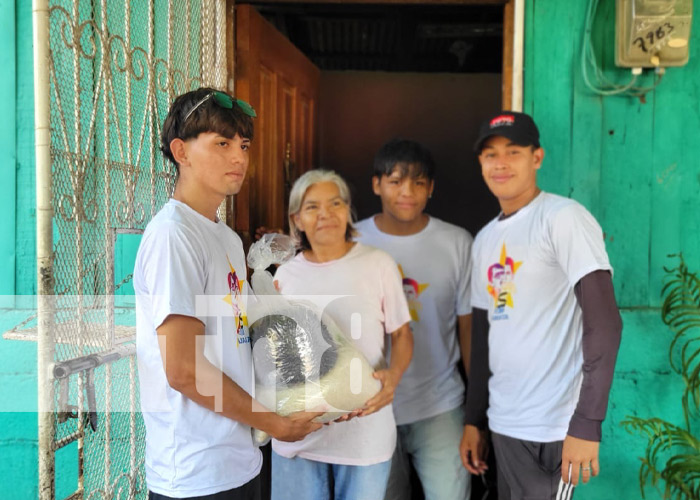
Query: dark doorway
x=426 y=72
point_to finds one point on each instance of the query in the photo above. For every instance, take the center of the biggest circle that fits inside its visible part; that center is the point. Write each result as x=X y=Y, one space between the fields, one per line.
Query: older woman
x=348 y=460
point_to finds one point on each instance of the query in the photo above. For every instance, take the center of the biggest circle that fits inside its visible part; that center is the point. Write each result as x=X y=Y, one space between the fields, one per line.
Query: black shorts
x=528 y=470
x=249 y=491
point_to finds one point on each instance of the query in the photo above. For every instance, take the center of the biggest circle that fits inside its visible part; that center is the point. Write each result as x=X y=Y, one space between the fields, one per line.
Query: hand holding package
x=302 y=360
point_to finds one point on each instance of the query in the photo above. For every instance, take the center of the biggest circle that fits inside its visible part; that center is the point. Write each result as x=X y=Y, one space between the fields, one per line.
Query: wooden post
x=507 y=76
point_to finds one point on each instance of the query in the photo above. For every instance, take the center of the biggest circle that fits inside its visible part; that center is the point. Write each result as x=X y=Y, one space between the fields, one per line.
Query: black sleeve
x=478 y=389
x=602 y=327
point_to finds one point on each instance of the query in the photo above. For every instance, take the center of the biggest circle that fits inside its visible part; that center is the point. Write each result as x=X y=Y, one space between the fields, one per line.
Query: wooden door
x=282 y=86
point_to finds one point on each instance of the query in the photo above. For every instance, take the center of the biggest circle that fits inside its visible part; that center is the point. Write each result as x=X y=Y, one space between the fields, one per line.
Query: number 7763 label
x=654 y=37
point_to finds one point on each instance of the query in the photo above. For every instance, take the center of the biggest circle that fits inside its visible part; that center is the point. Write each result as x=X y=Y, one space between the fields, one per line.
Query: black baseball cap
x=518 y=127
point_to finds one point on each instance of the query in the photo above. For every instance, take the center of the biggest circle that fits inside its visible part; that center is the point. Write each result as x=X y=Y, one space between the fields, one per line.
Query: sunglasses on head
x=225 y=101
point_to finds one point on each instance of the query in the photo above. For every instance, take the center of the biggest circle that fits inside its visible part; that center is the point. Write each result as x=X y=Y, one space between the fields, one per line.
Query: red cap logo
x=502 y=120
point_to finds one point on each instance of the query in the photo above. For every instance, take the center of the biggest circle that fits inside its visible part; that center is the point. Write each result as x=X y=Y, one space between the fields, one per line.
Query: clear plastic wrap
x=302 y=360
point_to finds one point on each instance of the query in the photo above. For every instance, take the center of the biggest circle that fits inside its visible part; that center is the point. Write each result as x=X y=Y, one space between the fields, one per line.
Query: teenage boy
x=434 y=259
x=195 y=401
x=546 y=326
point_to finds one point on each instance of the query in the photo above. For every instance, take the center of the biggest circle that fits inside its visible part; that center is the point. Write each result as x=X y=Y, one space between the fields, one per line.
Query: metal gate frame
x=53 y=373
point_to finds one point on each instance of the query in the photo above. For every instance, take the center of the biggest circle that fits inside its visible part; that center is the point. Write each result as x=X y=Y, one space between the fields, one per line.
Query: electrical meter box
x=652 y=33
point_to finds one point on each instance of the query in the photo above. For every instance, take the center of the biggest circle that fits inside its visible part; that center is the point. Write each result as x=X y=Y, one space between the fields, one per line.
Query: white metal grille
x=114 y=67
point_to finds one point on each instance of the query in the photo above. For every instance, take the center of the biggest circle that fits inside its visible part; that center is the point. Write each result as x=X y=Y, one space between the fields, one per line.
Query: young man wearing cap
x=189 y=282
x=435 y=263
x=546 y=328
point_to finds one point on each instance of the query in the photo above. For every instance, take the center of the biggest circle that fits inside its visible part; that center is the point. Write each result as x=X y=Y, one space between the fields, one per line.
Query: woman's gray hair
x=296 y=198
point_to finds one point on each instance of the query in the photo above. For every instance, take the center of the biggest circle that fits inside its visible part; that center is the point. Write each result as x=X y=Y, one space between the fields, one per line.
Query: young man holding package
x=195 y=401
x=546 y=328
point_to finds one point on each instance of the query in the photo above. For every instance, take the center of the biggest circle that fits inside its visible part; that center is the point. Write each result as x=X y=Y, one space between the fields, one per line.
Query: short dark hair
x=409 y=157
x=208 y=117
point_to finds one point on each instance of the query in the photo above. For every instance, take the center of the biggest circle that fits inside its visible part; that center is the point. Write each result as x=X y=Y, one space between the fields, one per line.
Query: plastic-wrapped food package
x=302 y=360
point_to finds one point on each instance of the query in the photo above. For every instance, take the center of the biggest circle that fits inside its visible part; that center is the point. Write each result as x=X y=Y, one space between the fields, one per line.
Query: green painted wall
x=18 y=389
x=25 y=269
x=636 y=166
x=8 y=146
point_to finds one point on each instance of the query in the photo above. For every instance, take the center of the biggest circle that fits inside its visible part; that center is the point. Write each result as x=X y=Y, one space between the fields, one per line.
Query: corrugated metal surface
x=427 y=38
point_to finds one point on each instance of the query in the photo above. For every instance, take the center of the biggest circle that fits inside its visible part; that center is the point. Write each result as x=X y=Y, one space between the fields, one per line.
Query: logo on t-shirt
x=501 y=286
x=234 y=298
x=412 y=289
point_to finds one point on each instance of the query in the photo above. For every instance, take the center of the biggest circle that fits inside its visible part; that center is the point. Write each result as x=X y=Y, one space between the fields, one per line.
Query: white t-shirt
x=436 y=268
x=525 y=269
x=192 y=266
x=370 y=285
